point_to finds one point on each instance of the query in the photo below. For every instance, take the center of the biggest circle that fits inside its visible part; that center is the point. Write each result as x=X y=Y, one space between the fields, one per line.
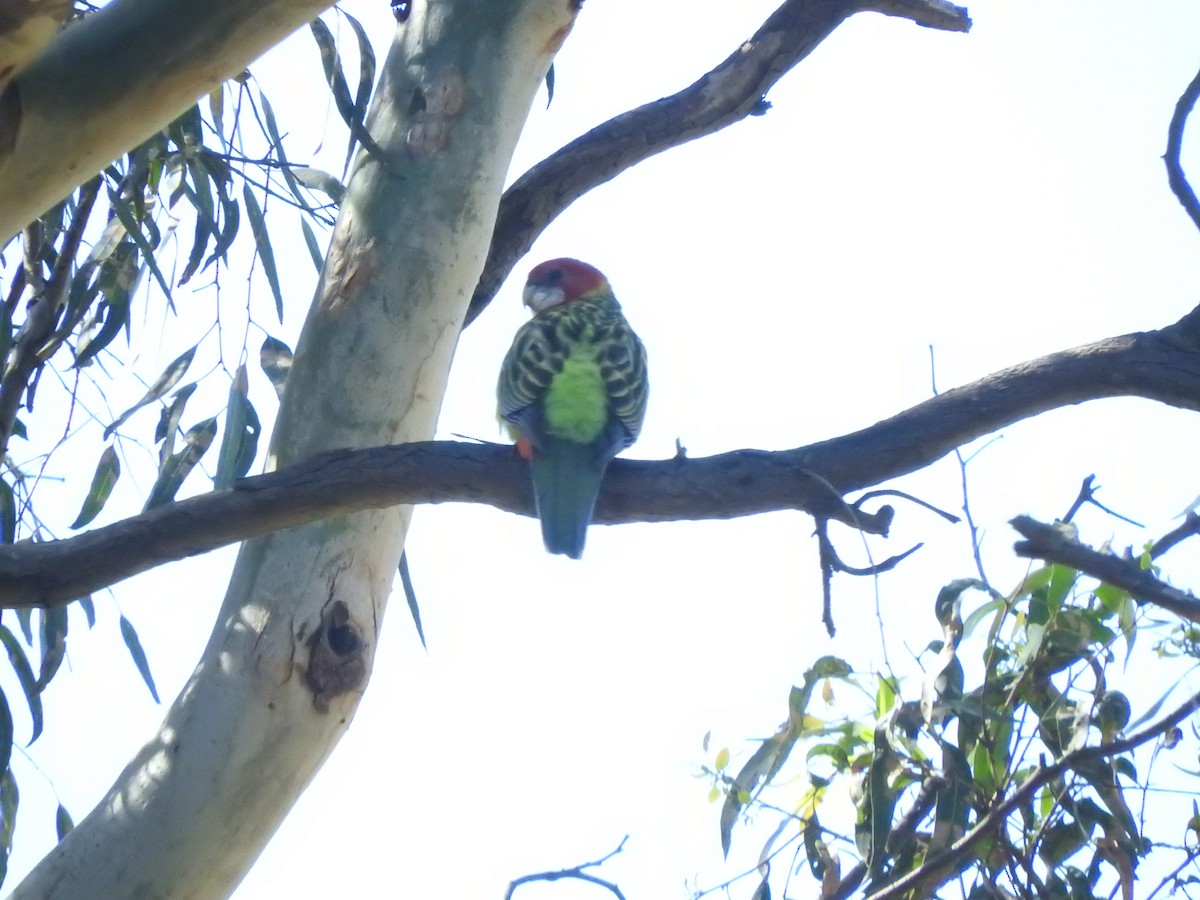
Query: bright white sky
x=998 y=195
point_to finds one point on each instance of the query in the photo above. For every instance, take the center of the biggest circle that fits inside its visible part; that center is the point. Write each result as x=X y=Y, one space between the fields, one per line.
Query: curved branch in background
x=110 y=80
x=1176 y=177
x=1188 y=528
x=725 y=95
x=1161 y=365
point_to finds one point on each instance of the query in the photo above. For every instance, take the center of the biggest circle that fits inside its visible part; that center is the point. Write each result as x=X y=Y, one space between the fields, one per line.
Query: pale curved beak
x=540 y=297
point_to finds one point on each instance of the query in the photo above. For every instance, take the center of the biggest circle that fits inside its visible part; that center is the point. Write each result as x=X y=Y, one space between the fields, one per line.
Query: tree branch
x=1189 y=528
x=575 y=872
x=725 y=486
x=1175 y=176
x=727 y=94
x=110 y=80
x=1052 y=544
x=1161 y=365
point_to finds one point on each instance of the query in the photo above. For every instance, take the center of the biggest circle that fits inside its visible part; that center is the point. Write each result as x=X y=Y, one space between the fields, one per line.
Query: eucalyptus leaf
x=53 y=643
x=108 y=470
x=262 y=239
x=176 y=467
x=24 y=672
x=239 y=444
x=275 y=357
x=134 y=645
x=170 y=377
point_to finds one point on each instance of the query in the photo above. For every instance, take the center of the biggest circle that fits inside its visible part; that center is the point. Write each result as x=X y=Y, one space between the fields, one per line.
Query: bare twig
x=575 y=872
x=830 y=563
x=729 y=93
x=1188 y=859
x=972 y=529
x=996 y=815
x=889 y=492
x=1087 y=494
x=829 y=554
x=1175 y=176
x=1051 y=544
x=757 y=868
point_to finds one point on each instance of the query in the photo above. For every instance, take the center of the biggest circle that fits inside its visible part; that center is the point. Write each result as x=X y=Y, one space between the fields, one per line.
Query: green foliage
x=991 y=770
x=129 y=635
x=239 y=446
x=108 y=470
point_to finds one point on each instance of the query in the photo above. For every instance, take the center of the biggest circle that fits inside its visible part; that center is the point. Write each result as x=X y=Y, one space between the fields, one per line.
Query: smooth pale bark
x=266 y=703
x=111 y=80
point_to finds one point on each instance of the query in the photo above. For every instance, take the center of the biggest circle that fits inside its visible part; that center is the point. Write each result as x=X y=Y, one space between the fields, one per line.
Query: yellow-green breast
x=576 y=403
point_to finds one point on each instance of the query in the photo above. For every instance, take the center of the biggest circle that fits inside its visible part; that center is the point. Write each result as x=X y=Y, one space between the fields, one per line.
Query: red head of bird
x=559 y=281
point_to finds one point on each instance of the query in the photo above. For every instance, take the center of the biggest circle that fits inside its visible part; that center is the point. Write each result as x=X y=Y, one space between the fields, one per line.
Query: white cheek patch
x=540 y=298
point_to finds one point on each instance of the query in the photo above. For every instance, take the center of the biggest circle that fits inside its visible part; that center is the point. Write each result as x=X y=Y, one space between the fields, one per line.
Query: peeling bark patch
x=427 y=135
x=349 y=269
x=446 y=92
x=441 y=96
x=559 y=37
x=335 y=663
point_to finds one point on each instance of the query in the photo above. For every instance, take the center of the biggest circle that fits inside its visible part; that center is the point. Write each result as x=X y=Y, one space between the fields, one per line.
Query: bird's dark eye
x=554 y=276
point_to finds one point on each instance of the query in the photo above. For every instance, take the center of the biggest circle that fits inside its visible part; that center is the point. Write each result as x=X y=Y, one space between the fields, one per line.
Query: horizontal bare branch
x=1161 y=365
x=727 y=94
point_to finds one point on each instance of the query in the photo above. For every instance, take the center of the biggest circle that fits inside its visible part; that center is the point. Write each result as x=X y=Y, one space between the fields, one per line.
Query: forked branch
x=721 y=97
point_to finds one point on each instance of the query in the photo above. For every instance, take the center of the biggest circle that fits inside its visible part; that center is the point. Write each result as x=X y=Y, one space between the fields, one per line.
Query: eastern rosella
x=573 y=393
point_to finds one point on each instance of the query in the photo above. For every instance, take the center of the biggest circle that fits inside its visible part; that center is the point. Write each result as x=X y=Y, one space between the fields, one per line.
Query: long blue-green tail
x=566 y=482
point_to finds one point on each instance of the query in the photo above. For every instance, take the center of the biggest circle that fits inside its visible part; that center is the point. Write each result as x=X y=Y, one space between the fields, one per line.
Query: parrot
x=572 y=392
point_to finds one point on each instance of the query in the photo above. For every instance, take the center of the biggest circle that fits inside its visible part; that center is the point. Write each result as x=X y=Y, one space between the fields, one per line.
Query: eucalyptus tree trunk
x=293 y=645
